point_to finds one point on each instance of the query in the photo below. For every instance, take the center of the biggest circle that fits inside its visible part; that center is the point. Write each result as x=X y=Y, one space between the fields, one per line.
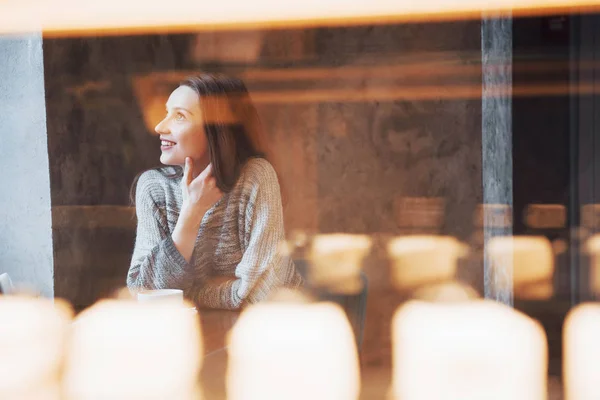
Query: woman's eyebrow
x=183 y=109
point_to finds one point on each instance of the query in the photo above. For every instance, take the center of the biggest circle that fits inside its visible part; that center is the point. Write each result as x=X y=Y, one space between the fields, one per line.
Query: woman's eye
x=179 y=117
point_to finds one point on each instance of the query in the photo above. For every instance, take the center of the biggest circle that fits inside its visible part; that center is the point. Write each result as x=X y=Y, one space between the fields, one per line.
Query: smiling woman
x=181 y=129
x=210 y=222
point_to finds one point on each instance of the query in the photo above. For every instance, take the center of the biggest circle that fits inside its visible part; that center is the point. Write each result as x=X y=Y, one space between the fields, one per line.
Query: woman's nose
x=161 y=128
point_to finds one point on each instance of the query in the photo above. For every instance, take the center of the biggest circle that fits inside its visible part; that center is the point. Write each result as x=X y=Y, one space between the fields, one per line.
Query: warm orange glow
x=416 y=65
x=493 y=216
x=593 y=249
x=467 y=351
x=152 y=94
x=419 y=214
x=423 y=92
x=152 y=91
x=337 y=260
x=69 y=17
x=531 y=260
x=545 y=216
x=590 y=215
x=420 y=260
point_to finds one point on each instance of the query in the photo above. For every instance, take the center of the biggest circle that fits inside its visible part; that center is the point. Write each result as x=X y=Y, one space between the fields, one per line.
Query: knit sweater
x=235 y=259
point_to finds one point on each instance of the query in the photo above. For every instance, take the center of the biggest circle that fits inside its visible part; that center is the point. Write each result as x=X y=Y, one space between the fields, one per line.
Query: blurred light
x=496 y=216
x=286 y=295
x=422 y=260
x=467 y=351
x=593 y=249
x=409 y=78
x=33 y=335
x=161 y=295
x=71 y=17
x=545 y=216
x=581 y=353
x=336 y=261
x=559 y=247
x=298 y=239
x=420 y=213
x=128 y=350
x=292 y=352
x=532 y=261
x=445 y=292
x=590 y=216
x=227 y=47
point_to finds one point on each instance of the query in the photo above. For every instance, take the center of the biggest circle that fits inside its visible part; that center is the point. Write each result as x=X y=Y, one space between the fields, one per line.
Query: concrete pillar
x=496 y=126
x=25 y=213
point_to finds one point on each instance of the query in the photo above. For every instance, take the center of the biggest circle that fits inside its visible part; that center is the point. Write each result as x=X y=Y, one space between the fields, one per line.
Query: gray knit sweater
x=235 y=259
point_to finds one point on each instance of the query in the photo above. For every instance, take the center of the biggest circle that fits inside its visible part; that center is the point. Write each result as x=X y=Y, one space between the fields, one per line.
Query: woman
x=214 y=228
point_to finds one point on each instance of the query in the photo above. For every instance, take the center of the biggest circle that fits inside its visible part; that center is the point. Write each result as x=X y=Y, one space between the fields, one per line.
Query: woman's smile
x=166 y=144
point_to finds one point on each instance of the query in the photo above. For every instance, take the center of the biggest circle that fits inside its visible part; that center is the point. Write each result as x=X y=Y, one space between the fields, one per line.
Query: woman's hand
x=199 y=193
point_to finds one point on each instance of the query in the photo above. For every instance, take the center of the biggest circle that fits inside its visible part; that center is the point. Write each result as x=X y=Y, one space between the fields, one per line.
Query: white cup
x=172 y=295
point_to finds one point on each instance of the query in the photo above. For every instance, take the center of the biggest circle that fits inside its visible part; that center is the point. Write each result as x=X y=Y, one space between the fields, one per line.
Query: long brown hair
x=231 y=124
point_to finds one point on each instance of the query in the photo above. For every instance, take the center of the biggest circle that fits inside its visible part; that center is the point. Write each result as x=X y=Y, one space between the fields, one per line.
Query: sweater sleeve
x=156 y=263
x=262 y=267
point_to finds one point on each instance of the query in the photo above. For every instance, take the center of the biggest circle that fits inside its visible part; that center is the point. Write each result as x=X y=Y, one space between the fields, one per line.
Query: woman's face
x=182 y=130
